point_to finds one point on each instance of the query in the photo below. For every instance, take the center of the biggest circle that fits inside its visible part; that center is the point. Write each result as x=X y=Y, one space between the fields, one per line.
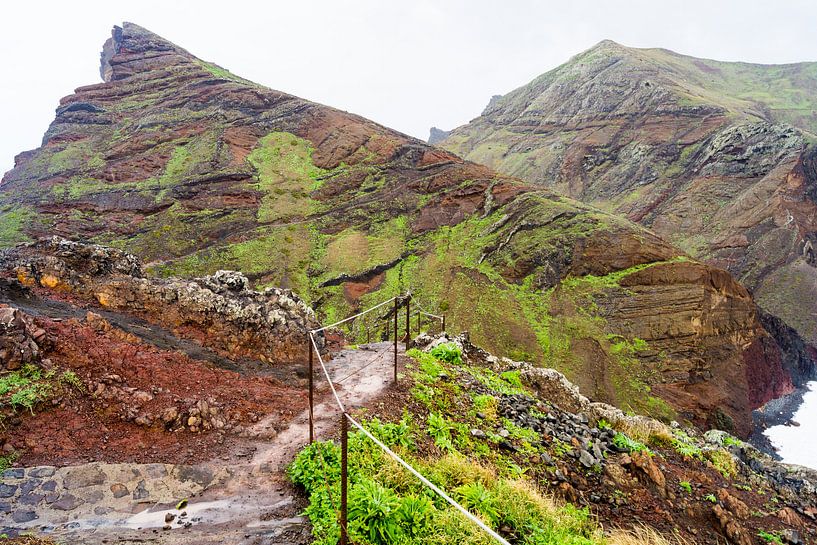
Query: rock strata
x=229 y=317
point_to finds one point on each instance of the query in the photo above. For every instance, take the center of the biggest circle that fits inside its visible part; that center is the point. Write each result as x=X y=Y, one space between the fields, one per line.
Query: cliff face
x=714 y=157
x=193 y=169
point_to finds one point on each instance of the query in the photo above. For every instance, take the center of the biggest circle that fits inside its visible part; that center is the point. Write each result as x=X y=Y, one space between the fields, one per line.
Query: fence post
x=311 y=398
x=443 y=323
x=395 y=340
x=408 y=322
x=344 y=477
x=419 y=325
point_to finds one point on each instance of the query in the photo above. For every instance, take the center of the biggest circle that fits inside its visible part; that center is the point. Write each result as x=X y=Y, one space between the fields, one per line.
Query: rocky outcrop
x=220 y=309
x=22 y=342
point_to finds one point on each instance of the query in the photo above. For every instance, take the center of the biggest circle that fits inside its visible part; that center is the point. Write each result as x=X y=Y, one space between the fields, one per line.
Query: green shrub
x=321 y=458
x=447 y=352
x=475 y=497
x=513 y=378
x=70 y=378
x=374 y=512
x=25 y=388
x=6 y=461
x=770 y=537
x=487 y=405
x=392 y=434
x=723 y=461
x=621 y=440
x=440 y=430
x=415 y=514
x=683 y=445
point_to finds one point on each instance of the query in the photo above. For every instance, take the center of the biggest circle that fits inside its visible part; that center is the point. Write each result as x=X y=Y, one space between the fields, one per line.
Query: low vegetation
x=26 y=388
x=388 y=505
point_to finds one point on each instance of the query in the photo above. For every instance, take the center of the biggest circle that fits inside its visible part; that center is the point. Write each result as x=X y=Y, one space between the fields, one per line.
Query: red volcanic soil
x=138 y=379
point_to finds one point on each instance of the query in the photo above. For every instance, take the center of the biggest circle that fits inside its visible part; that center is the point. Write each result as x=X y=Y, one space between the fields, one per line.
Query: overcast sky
x=409 y=64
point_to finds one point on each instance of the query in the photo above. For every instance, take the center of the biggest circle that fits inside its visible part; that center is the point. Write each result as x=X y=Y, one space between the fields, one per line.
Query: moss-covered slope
x=194 y=169
x=715 y=157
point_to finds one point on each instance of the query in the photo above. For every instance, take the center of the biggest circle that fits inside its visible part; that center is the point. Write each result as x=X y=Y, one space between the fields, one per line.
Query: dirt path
x=242 y=500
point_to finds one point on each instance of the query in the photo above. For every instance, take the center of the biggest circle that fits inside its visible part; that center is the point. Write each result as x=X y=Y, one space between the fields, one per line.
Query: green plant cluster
x=623 y=441
x=24 y=389
x=389 y=505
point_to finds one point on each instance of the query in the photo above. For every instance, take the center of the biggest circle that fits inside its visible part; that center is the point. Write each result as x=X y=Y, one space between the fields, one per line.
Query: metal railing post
x=344 y=477
x=408 y=322
x=311 y=392
x=395 y=340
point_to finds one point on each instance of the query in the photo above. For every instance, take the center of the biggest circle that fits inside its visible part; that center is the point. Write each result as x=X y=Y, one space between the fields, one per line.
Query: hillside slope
x=715 y=157
x=194 y=169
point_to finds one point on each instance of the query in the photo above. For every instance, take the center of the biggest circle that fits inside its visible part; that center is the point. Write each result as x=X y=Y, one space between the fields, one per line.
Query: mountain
x=194 y=170
x=716 y=157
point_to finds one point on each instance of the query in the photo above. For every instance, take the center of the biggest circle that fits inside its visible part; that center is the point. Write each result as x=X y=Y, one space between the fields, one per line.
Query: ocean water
x=798 y=444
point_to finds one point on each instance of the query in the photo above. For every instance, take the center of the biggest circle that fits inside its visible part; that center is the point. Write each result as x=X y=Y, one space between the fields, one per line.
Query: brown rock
x=731 y=527
x=790 y=517
x=83 y=477
x=119 y=490
x=643 y=461
x=733 y=504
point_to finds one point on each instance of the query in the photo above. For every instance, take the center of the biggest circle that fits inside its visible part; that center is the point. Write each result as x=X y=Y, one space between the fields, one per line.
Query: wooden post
x=395 y=340
x=419 y=325
x=344 y=477
x=443 y=322
x=311 y=394
x=408 y=322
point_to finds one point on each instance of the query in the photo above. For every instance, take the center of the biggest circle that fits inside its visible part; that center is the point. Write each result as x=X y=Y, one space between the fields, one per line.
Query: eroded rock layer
x=220 y=311
x=195 y=170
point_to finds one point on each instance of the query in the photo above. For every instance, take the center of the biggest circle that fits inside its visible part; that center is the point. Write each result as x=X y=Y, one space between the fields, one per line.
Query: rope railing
x=354 y=316
x=484 y=527
x=348 y=419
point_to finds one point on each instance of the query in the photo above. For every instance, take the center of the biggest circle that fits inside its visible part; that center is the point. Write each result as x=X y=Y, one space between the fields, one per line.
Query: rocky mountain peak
x=132 y=49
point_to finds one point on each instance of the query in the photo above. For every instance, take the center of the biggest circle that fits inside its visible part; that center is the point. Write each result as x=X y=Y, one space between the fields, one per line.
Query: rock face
x=712 y=156
x=21 y=341
x=225 y=314
x=195 y=170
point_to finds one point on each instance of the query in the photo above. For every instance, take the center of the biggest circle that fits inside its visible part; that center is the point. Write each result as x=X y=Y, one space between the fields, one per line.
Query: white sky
x=408 y=65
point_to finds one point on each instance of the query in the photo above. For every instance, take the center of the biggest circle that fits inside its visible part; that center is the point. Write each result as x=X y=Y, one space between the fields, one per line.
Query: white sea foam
x=798 y=444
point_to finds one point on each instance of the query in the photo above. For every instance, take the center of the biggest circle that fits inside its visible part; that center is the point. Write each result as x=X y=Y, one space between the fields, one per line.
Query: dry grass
x=644 y=535
x=27 y=540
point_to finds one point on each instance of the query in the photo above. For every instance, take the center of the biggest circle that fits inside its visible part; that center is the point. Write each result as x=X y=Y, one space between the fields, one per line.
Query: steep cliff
x=194 y=169
x=715 y=157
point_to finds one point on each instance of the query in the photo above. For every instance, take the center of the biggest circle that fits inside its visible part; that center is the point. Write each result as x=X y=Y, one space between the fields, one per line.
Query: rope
x=426 y=312
x=326 y=373
x=429 y=484
x=386 y=449
x=355 y=316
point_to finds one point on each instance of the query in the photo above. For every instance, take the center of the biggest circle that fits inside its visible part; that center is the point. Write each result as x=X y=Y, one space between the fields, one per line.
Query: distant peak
x=127 y=45
x=609 y=45
x=437 y=135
